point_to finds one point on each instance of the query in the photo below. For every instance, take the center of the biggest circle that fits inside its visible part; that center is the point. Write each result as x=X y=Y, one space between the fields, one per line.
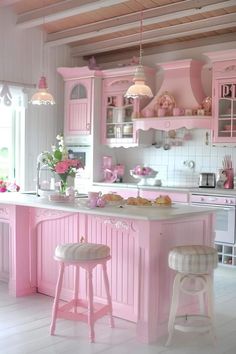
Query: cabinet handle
x=88 y=126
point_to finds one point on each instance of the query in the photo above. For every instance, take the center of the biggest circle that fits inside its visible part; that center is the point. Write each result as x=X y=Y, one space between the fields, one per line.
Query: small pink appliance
x=112 y=173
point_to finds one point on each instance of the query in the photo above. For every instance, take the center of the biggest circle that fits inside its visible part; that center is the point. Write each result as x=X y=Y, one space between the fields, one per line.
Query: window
x=12 y=117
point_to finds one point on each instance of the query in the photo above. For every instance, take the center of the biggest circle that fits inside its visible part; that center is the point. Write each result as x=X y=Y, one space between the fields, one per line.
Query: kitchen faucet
x=40 y=166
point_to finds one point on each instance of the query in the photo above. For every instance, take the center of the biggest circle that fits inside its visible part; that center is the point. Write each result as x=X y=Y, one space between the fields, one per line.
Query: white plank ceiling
x=112 y=27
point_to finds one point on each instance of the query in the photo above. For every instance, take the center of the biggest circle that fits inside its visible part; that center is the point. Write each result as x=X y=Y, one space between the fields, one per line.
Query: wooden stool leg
x=106 y=283
x=57 y=296
x=90 y=305
x=174 y=306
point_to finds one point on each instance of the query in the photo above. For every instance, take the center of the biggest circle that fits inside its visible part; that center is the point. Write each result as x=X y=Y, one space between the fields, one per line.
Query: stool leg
x=56 y=299
x=106 y=283
x=90 y=305
x=174 y=306
x=76 y=288
x=210 y=304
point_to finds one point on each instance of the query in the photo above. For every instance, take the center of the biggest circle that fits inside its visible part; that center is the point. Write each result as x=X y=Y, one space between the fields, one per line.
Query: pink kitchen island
x=139 y=237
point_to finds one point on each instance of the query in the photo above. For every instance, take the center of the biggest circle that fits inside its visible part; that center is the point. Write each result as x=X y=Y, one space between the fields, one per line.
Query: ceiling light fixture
x=42 y=96
x=139 y=88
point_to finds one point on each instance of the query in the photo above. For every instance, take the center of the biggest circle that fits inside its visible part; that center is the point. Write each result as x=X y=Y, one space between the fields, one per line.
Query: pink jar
x=161 y=112
x=177 y=111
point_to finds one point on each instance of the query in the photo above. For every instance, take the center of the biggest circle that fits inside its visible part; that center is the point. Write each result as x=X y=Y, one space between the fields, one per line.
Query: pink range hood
x=182 y=80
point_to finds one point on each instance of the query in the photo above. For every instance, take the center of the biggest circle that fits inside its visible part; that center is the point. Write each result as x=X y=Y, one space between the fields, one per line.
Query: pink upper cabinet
x=224 y=96
x=79 y=95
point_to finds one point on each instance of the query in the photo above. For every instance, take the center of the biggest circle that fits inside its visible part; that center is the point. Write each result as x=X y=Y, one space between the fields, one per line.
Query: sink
x=29 y=192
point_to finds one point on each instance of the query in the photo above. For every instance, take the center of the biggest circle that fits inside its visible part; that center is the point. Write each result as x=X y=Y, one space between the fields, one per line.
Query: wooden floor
x=24 y=328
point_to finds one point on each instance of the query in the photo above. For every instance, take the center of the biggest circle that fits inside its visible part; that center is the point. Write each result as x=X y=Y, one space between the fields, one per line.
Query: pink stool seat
x=86 y=256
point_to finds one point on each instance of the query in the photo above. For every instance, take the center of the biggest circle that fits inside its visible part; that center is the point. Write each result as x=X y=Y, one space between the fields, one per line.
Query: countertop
x=156 y=213
x=186 y=189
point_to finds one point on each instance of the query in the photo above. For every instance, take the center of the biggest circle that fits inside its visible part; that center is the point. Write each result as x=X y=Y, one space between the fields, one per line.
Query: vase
x=63 y=185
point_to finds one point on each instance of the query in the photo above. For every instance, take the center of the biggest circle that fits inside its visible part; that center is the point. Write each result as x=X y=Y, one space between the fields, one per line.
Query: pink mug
x=93 y=195
x=92 y=203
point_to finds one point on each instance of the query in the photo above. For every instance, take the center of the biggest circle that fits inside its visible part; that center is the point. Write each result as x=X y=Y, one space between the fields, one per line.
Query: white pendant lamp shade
x=42 y=96
x=139 y=88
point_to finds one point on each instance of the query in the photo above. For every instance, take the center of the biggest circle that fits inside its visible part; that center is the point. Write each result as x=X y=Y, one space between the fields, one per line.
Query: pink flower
x=62 y=166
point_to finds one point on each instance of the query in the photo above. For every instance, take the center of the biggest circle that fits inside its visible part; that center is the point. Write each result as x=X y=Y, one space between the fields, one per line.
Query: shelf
x=122 y=123
x=175 y=122
x=226 y=254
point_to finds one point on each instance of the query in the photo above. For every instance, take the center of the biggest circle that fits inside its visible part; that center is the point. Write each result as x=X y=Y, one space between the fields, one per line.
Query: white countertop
x=134 y=212
x=187 y=189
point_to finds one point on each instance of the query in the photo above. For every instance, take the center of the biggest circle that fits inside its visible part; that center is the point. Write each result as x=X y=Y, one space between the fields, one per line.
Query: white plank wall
x=21 y=61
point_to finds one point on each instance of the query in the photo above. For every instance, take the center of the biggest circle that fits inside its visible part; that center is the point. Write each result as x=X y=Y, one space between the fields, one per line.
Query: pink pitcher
x=110 y=175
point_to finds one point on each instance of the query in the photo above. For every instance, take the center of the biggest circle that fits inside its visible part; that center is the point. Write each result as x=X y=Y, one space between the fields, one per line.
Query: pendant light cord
x=42 y=39
x=141 y=38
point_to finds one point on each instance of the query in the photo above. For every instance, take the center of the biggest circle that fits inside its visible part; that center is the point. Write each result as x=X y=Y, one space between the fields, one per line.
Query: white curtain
x=12 y=96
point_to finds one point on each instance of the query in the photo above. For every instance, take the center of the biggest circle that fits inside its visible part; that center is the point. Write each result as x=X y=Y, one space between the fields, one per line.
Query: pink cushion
x=81 y=251
x=193 y=259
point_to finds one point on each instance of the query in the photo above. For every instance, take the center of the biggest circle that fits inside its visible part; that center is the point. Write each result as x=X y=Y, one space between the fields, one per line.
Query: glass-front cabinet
x=225 y=110
x=118 y=113
x=224 y=96
x=119 y=122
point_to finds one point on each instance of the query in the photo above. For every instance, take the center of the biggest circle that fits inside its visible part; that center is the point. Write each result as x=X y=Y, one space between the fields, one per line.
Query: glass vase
x=63 y=186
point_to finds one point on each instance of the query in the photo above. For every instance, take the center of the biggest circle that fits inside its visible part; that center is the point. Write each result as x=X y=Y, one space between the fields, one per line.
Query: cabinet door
x=78 y=107
x=118 y=112
x=224 y=102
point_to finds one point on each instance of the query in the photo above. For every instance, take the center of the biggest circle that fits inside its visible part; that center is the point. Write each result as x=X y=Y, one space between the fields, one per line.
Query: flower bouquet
x=58 y=162
x=8 y=187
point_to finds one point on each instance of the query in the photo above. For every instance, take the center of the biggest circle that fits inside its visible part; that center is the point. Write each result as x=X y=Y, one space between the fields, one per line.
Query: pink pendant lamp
x=42 y=96
x=139 y=88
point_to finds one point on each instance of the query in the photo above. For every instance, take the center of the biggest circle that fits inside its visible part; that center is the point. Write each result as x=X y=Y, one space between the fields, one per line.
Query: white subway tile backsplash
x=169 y=163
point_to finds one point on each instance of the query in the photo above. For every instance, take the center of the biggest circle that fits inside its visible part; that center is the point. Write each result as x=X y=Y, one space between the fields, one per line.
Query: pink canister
x=177 y=111
x=161 y=112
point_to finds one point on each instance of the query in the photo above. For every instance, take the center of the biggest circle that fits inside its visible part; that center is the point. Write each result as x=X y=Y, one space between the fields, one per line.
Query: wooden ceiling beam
x=158 y=35
x=4 y=3
x=125 y=56
x=131 y=21
x=61 y=10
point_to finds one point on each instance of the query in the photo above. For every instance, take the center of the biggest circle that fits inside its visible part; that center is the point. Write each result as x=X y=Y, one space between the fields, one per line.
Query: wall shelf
x=169 y=123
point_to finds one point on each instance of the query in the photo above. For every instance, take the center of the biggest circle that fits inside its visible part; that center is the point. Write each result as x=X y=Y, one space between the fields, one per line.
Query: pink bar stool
x=194 y=265
x=87 y=256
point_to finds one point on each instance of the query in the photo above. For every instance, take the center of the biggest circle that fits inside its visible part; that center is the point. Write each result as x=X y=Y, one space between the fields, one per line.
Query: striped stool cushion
x=81 y=251
x=195 y=259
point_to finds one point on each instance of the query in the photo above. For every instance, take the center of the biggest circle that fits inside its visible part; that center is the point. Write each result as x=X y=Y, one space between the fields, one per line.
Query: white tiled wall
x=170 y=163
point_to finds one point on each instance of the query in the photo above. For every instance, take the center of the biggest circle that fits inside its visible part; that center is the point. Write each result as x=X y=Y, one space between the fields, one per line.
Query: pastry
x=138 y=201
x=163 y=200
x=111 y=197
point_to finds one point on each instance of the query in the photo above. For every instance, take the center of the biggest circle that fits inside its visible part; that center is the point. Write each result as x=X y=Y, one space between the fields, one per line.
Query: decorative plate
x=166 y=101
